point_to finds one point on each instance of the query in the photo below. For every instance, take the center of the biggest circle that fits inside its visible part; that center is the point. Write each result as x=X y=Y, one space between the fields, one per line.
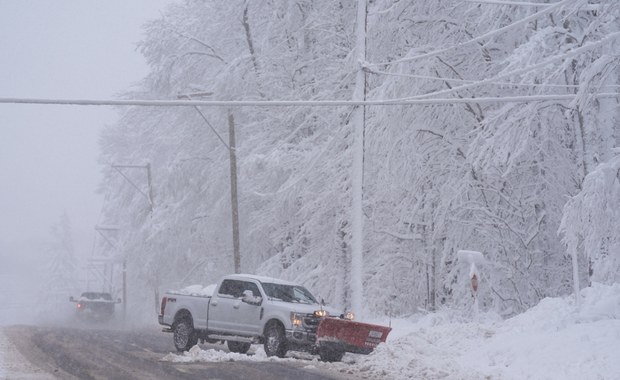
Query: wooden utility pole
x=124 y=300
x=233 y=174
x=233 y=192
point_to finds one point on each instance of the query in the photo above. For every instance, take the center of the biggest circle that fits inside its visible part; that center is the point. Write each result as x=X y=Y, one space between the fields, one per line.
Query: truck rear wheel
x=238 y=347
x=184 y=335
x=275 y=340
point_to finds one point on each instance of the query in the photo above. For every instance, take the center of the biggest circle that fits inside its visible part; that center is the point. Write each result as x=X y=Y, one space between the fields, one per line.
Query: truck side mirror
x=251 y=299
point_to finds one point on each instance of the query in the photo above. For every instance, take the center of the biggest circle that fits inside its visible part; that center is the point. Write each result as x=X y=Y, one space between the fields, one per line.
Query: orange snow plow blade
x=355 y=337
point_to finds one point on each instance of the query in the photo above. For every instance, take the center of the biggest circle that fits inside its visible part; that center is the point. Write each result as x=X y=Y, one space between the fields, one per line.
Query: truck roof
x=259 y=278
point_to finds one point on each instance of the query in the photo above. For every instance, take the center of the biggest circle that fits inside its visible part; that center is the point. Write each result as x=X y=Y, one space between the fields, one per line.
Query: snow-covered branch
x=483 y=37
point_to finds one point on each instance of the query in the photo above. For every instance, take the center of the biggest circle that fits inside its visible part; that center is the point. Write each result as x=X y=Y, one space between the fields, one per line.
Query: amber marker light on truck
x=295 y=319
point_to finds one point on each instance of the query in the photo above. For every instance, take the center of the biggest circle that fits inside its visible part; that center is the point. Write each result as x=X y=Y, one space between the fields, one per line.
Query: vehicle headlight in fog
x=320 y=313
x=349 y=316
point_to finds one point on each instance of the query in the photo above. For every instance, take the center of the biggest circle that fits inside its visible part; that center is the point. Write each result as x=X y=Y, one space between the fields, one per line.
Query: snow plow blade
x=350 y=336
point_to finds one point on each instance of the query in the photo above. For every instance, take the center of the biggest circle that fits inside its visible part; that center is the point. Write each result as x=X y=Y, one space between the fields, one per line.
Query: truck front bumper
x=301 y=337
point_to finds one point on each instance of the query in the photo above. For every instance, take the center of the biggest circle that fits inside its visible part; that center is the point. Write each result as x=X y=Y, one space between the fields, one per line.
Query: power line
x=298 y=103
x=469 y=81
x=539 y=65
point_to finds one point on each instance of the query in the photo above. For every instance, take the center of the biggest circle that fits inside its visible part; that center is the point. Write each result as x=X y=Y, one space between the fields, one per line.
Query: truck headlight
x=349 y=316
x=296 y=319
x=320 y=313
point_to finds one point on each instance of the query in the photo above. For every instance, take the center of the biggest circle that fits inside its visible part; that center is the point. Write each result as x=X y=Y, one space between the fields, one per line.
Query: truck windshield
x=288 y=293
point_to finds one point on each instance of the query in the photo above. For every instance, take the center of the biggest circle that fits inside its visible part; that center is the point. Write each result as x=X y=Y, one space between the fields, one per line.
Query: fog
x=49 y=154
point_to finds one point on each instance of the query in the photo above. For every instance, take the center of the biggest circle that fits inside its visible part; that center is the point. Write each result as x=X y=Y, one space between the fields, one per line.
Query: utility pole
x=233 y=192
x=357 y=177
x=124 y=300
x=149 y=198
x=234 y=199
x=101 y=229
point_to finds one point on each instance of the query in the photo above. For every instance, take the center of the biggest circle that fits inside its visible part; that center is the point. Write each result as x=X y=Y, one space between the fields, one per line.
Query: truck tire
x=275 y=340
x=238 y=347
x=185 y=337
x=330 y=354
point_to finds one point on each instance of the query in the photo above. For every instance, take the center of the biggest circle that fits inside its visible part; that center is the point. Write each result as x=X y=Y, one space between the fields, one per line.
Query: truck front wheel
x=184 y=335
x=275 y=340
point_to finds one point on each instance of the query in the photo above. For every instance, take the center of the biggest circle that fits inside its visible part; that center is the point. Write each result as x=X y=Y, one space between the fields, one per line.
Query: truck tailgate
x=353 y=336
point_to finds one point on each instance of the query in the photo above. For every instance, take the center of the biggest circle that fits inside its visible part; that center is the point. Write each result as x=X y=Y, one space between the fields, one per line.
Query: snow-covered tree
x=590 y=223
x=486 y=176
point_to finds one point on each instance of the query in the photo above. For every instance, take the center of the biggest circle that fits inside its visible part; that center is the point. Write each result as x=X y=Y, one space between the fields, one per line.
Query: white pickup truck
x=247 y=309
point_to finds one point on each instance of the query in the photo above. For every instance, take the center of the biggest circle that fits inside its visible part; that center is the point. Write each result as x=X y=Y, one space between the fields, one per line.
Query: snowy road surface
x=555 y=340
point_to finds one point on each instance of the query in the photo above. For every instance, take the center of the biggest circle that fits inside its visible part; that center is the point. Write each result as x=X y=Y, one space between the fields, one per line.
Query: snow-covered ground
x=554 y=340
x=13 y=366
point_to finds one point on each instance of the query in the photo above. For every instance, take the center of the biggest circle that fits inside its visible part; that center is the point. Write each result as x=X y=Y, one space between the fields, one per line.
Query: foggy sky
x=48 y=154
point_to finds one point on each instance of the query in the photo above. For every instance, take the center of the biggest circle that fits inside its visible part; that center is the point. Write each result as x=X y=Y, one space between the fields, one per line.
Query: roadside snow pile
x=600 y=302
x=196 y=354
x=430 y=347
x=553 y=340
x=13 y=365
x=256 y=354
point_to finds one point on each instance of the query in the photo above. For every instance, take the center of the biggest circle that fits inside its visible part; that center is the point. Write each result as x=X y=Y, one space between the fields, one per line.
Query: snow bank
x=196 y=354
x=256 y=354
x=14 y=366
x=553 y=340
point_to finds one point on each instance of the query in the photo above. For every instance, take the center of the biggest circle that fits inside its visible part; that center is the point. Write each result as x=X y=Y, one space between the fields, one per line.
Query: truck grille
x=311 y=322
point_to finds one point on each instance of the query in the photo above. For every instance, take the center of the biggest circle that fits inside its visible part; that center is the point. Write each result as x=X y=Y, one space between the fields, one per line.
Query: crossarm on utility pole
x=148 y=196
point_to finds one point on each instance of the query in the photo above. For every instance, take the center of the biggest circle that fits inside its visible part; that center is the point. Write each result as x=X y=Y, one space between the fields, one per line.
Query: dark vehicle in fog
x=95 y=305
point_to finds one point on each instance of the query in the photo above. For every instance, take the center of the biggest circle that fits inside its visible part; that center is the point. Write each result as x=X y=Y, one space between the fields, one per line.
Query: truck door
x=229 y=314
x=249 y=314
